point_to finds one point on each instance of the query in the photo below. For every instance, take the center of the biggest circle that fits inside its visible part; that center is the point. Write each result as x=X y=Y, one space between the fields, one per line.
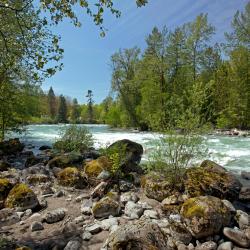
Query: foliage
x=62 y=110
x=74 y=139
x=52 y=103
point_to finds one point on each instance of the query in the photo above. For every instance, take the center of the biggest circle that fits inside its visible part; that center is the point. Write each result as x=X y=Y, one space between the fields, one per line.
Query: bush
x=74 y=139
x=175 y=152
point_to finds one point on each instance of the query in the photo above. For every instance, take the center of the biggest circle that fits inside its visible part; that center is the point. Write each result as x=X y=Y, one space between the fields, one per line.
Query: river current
x=231 y=152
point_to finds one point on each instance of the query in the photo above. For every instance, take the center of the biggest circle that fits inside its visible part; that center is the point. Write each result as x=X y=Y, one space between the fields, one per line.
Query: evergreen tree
x=75 y=111
x=90 y=102
x=62 y=110
x=52 y=103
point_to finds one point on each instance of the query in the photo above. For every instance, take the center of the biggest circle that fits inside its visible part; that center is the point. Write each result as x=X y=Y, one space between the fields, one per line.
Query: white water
x=231 y=152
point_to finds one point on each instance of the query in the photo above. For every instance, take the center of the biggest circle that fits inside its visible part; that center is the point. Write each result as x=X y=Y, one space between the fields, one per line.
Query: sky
x=87 y=55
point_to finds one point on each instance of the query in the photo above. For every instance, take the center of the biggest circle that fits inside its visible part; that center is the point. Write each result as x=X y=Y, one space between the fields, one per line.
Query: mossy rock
x=71 y=177
x=205 y=215
x=23 y=248
x=4 y=166
x=5 y=187
x=211 y=179
x=12 y=146
x=158 y=186
x=22 y=197
x=95 y=167
x=65 y=160
x=106 y=207
x=37 y=178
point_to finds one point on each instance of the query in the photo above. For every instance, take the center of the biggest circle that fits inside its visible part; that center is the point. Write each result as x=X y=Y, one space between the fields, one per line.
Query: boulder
x=133 y=210
x=65 y=160
x=243 y=219
x=21 y=197
x=228 y=245
x=106 y=207
x=4 y=166
x=12 y=146
x=157 y=186
x=205 y=215
x=237 y=236
x=5 y=187
x=141 y=235
x=245 y=194
x=71 y=177
x=37 y=178
x=36 y=226
x=212 y=179
x=44 y=147
x=95 y=167
x=131 y=153
x=8 y=216
x=209 y=245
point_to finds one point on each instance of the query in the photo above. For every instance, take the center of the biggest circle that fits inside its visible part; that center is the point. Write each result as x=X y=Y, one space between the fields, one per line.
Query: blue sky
x=87 y=55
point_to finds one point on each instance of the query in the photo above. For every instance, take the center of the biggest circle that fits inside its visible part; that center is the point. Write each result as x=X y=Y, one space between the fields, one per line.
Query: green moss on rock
x=5 y=187
x=95 y=167
x=21 y=196
x=71 y=177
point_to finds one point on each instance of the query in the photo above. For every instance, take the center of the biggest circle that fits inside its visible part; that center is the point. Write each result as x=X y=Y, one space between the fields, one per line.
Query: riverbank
x=72 y=201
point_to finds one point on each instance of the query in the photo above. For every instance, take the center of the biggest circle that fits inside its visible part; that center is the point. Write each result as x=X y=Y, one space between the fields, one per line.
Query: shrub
x=175 y=152
x=74 y=139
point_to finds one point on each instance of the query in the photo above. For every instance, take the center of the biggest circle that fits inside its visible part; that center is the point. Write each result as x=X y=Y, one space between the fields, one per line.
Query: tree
x=52 y=103
x=90 y=106
x=62 y=110
x=75 y=111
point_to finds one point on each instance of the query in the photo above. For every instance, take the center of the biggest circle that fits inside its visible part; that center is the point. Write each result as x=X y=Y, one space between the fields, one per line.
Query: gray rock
x=129 y=196
x=228 y=245
x=126 y=186
x=79 y=219
x=108 y=223
x=86 y=236
x=243 y=219
x=86 y=207
x=36 y=226
x=94 y=229
x=209 y=245
x=60 y=193
x=8 y=217
x=104 y=175
x=73 y=245
x=245 y=175
x=180 y=233
x=237 y=236
x=151 y=214
x=133 y=210
x=230 y=206
x=55 y=215
x=244 y=194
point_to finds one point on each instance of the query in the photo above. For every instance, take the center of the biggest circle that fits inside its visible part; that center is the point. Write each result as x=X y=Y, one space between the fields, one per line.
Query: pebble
x=94 y=229
x=73 y=245
x=55 y=215
x=151 y=214
x=86 y=236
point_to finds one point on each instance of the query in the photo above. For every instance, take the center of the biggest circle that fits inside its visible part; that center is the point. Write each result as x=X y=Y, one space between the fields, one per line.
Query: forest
x=180 y=75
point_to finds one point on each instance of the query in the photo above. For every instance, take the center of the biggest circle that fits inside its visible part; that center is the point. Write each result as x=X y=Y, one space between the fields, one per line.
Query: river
x=231 y=152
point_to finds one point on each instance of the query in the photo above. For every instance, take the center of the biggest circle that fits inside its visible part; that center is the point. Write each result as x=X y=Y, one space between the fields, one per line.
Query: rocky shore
x=72 y=201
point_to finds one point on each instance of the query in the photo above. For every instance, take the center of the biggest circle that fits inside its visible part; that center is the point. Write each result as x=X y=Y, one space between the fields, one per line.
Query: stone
x=5 y=187
x=94 y=229
x=65 y=160
x=21 y=197
x=125 y=186
x=108 y=223
x=104 y=175
x=230 y=206
x=209 y=245
x=151 y=214
x=245 y=175
x=46 y=189
x=133 y=210
x=86 y=207
x=237 y=236
x=8 y=217
x=212 y=179
x=79 y=219
x=94 y=168
x=37 y=178
x=128 y=196
x=73 y=245
x=99 y=190
x=4 y=166
x=142 y=234
x=174 y=199
x=54 y=215
x=228 y=245
x=86 y=236
x=157 y=186
x=245 y=194
x=12 y=146
x=179 y=232
x=60 y=193
x=131 y=153
x=106 y=207
x=205 y=216
x=243 y=219
x=71 y=177
x=36 y=226
x=44 y=147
